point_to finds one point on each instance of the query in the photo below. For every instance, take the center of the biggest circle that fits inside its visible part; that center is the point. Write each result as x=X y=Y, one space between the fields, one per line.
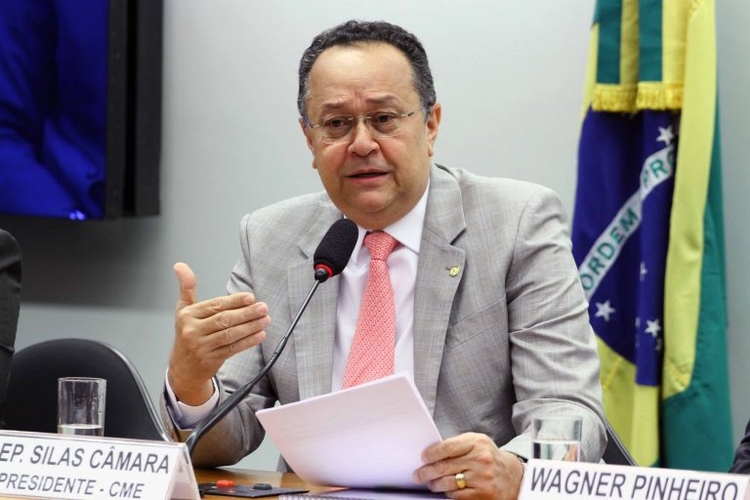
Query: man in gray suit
x=10 y=301
x=491 y=320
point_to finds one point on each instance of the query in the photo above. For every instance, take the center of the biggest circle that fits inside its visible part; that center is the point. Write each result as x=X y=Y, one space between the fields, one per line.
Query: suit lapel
x=314 y=335
x=439 y=273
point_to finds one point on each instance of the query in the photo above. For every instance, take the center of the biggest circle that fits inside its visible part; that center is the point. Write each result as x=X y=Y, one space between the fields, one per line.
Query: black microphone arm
x=330 y=259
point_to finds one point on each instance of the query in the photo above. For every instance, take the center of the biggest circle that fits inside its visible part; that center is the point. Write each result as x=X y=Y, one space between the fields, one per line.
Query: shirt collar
x=407 y=230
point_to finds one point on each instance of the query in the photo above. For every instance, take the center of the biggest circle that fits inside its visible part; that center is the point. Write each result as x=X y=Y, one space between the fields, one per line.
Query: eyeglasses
x=381 y=123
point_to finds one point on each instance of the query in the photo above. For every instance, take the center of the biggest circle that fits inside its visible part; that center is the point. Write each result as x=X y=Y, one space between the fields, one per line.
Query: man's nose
x=362 y=139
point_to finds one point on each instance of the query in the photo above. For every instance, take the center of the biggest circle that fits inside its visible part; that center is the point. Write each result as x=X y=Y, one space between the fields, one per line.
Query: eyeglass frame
x=366 y=118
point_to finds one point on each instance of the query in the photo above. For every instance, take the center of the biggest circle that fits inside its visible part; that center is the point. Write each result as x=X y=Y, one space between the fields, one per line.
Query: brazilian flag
x=648 y=232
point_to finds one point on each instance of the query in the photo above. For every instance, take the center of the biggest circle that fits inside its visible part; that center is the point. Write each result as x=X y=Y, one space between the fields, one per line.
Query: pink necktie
x=371 y=354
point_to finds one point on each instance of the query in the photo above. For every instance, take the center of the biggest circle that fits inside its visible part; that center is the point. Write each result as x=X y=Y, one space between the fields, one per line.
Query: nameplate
x=52 y=466
x=557 y=480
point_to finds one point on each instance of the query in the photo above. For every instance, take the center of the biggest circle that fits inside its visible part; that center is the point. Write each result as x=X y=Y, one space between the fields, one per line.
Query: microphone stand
x=224 y=408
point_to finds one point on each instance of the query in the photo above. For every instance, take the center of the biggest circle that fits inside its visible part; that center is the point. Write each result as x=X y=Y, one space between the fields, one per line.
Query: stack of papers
x=367 y=436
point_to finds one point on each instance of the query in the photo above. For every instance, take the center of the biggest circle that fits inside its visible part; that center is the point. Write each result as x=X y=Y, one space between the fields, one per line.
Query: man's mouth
x=368 y=174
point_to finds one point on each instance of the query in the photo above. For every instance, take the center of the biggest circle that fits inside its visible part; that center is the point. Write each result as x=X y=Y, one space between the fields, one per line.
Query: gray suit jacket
x=505 y=340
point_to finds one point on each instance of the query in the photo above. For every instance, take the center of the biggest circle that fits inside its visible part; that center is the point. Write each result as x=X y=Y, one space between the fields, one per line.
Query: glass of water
x=80 y=406
x=556 y=437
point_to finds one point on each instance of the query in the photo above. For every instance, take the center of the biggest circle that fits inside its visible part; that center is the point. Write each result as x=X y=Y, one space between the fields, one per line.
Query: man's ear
x=433 y=124
x=306 y=132
x=308 y=137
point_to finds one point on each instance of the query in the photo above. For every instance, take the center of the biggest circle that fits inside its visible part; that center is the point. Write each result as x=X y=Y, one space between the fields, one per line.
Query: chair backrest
x=616 y=453
x=31 y=402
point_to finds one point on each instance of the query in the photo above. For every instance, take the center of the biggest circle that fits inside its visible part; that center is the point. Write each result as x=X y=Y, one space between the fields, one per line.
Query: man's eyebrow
x=388 y=100
x=332 y=106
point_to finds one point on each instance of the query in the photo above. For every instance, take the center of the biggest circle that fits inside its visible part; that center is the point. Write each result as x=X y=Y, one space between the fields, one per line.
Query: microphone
x=329 y=259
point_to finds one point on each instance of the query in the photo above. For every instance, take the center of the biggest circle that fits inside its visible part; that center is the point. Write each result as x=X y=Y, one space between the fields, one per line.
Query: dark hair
x=352 y=32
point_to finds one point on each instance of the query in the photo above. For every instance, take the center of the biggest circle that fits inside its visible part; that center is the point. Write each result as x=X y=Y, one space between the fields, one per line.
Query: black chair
x=616 y=453
x=31 y=401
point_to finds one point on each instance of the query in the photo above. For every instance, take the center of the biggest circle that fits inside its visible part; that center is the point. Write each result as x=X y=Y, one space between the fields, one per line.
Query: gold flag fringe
x=631 y=98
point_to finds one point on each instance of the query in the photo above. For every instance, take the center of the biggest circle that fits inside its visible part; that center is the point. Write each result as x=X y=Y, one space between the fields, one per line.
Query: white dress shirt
x=402 y=268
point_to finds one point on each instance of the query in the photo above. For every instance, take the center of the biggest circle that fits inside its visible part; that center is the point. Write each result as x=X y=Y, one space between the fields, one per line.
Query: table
x=242 y=476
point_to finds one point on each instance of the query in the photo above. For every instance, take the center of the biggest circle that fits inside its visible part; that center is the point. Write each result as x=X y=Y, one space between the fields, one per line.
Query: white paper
x=368 y=436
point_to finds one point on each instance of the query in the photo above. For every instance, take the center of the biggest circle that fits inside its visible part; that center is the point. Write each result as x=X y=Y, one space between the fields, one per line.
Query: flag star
x=637 y=323
x=658 y=344
x=603 y=310
x=644 y=271
x=665 y=135
x=653 y=328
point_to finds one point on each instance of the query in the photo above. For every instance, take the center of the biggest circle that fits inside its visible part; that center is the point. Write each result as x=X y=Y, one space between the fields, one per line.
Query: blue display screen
x=53 y=107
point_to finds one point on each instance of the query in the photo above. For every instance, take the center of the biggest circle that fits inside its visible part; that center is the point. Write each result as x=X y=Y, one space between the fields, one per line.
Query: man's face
x=374 y=180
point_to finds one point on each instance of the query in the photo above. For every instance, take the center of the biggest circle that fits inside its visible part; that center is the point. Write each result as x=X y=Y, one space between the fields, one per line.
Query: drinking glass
x=80 y=406
x=556 y=437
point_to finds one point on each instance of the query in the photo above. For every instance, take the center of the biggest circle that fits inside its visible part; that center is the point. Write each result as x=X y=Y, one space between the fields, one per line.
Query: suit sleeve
x=555 y=363
x=741 y=463
x=10 y=299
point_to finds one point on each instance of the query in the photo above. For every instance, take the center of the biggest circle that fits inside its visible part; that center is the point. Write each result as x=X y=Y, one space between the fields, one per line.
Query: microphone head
x=335 y=248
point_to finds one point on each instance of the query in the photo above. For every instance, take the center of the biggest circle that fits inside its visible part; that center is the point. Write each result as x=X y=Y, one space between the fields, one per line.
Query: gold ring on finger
x=460 y=480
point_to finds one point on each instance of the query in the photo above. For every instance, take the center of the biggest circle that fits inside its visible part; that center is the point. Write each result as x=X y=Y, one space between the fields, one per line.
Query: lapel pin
x=453 y=271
